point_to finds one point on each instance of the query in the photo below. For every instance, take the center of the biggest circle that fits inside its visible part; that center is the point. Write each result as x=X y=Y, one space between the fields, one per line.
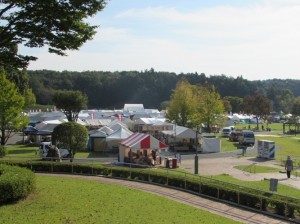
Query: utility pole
x=196 y=156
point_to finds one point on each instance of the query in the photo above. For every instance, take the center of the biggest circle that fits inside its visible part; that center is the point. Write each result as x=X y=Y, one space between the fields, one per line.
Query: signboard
x=273 y=184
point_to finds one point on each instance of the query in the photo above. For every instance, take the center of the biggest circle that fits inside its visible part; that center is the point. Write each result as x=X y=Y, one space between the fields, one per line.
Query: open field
x=64 y=200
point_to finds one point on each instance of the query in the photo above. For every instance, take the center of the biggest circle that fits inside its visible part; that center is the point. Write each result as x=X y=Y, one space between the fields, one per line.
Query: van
x=247 y=138
x=226 y=132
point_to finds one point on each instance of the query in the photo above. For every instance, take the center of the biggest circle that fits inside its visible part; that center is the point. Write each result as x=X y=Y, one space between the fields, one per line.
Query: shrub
x=15 y=183
x=3 y=151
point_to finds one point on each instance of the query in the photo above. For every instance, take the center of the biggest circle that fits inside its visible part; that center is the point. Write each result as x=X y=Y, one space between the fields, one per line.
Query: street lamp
x=196 y=156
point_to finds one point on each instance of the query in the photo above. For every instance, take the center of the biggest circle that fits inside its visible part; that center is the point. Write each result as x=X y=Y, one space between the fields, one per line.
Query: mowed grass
x=23 y=151
x=289 y=144
x=261 y=185
x=67 y=200
x=258 y=169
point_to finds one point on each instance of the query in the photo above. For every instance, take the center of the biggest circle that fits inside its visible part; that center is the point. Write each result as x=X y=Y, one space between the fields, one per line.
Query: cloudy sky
x=256 y=39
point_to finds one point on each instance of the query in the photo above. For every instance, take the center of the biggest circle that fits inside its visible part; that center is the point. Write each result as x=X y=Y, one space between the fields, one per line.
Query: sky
x=255 y=39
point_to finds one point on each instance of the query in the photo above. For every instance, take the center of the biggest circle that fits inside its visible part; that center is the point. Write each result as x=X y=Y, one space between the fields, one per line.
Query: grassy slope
x=63 y=200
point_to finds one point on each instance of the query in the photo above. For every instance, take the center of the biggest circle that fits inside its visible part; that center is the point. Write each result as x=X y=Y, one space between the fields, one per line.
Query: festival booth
x=141 y=149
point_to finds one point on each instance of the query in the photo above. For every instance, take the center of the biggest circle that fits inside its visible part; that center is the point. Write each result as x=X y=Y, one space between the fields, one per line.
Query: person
x=289 y=166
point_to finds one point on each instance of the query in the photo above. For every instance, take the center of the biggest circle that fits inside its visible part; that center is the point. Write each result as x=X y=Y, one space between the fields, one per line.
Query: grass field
x=65 y=200
x=257 y=169
x=32 y=151
x=261 y=185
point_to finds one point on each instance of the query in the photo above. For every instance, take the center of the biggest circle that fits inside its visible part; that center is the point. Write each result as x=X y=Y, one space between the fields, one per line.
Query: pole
x=196 y=156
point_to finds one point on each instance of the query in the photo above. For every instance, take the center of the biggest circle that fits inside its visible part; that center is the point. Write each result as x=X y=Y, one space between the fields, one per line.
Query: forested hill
x=114 y=89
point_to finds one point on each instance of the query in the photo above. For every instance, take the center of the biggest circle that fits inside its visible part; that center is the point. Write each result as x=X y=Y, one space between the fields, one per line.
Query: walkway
x=212 y=206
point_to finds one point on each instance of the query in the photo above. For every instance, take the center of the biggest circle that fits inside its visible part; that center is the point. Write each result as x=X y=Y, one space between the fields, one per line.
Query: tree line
x=109 y=90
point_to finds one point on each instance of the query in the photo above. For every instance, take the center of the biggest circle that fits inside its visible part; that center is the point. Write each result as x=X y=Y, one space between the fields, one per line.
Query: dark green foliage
x=61 y=25
x=70 y=135
x=71 y=102
x=3 y=151
x=15 y=183
x=148 y=87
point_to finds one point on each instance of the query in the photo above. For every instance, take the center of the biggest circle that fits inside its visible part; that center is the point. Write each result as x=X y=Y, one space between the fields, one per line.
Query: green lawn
x=289 y=144
x=257 y=169
x=65 y=200
x=32 y=151
x=261 y=185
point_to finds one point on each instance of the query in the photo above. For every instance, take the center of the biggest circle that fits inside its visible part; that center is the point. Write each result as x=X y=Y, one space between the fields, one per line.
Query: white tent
x=211 y=145
x=116 y=137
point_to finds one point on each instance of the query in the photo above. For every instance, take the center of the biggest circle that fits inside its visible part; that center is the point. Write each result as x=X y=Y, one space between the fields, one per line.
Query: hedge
x=280 y=205
x=15 y=183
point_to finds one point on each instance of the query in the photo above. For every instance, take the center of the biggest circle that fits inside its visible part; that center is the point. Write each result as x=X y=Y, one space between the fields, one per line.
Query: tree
x=71 y=102
x=181 y=107
x=258 y=105
x=59 y=24
x=209 y=106
x=227 y=105
x=71 y=135
x=296 y=107
x=235 y=103
x=11 y=106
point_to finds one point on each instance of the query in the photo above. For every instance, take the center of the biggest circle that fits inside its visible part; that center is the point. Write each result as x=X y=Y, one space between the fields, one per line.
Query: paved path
x=212 y=206
x=216 y=166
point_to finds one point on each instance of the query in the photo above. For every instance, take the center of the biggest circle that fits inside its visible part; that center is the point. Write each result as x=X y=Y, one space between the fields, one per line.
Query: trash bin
x=167 y=162
x=174 y=163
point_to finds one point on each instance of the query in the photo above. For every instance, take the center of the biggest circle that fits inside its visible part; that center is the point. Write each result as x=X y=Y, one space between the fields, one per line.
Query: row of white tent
x=113 y=131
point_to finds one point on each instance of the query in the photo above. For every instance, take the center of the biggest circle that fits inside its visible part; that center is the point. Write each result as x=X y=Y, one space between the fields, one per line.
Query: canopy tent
x=116 y=137
x=122 y=133
x=139 y=141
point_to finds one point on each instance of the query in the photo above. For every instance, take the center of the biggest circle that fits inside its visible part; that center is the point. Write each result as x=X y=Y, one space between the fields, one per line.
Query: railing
x=254 y=199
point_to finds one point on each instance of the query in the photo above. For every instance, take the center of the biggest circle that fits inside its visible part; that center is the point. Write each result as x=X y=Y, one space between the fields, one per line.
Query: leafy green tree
x=11 y=107
x=181 y=107
x=71 y=135
x=296 y=107
x=209 y=106
x=59 y=24
x=235 y=103
x=258 y=105
x=227 y=105
x=71 y=102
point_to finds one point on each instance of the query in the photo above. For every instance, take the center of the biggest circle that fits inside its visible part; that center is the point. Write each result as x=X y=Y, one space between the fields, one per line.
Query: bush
x=3 y=151
x=15 y=183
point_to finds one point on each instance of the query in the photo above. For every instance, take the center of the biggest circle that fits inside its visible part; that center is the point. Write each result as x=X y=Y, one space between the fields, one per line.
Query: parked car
x=234 y=136
x=226 y=132
x=247 y=138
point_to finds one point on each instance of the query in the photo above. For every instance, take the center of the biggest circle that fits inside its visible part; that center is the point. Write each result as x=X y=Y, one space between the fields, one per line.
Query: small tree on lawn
x=70 y=135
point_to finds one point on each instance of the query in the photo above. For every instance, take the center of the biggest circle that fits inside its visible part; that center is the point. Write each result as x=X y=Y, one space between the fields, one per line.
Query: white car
x=226 y=132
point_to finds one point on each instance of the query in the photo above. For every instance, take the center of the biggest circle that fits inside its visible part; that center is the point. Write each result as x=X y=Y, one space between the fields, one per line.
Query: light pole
x=196 y=156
